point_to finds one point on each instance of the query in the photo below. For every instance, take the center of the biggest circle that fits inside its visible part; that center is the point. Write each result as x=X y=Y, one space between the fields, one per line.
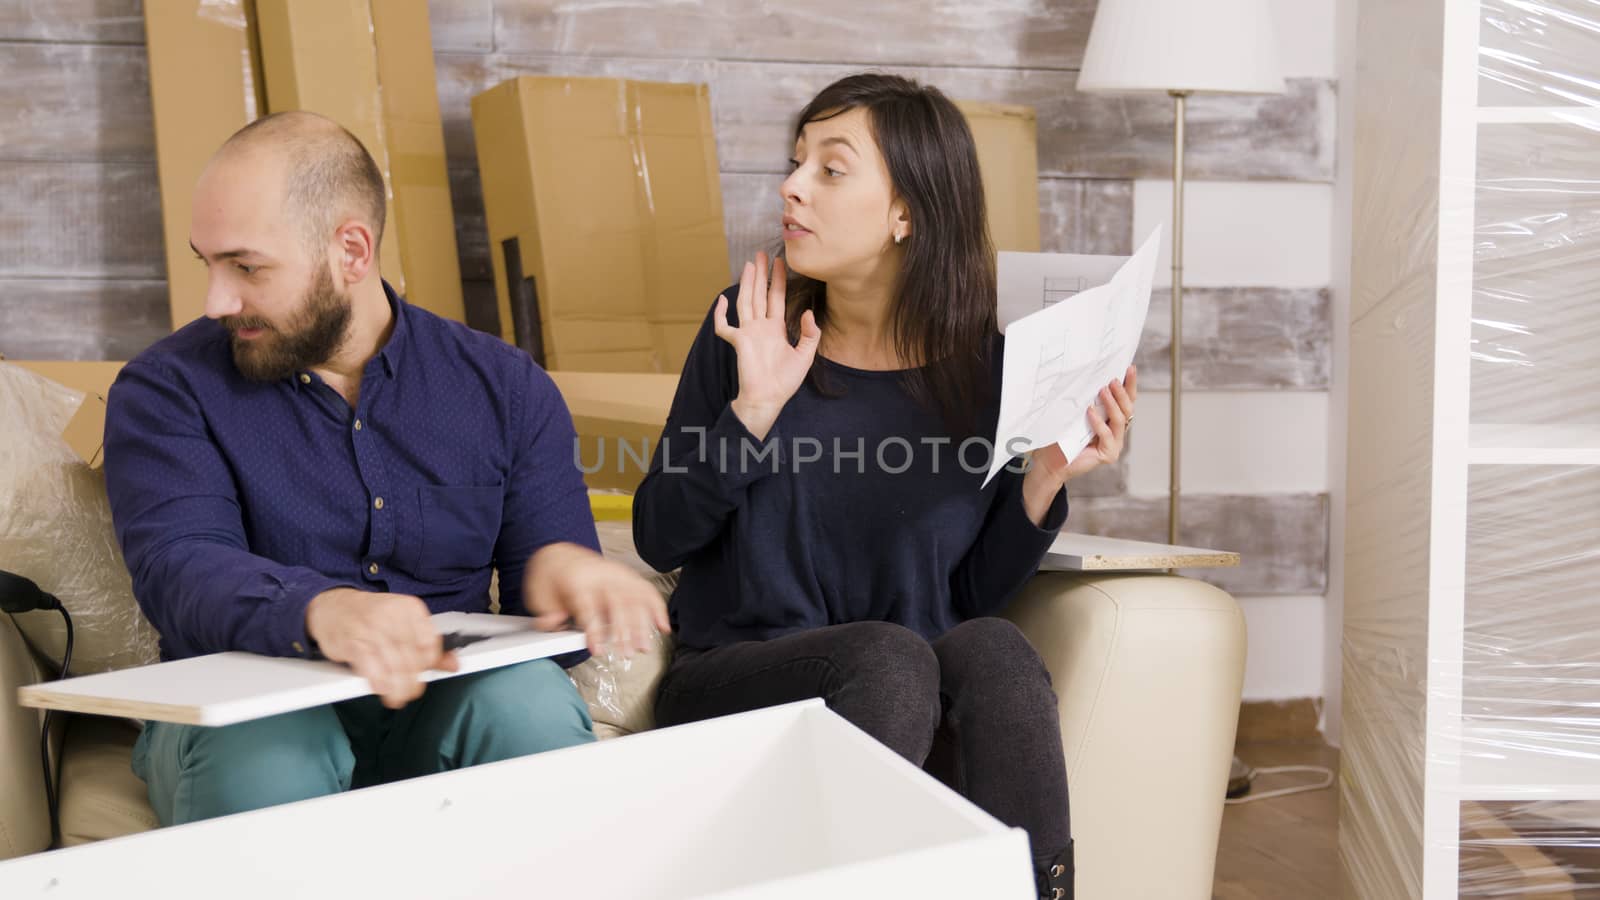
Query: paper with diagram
x=1070 y=330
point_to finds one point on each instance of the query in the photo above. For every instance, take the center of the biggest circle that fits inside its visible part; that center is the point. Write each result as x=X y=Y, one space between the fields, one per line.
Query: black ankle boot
x=1054 y=876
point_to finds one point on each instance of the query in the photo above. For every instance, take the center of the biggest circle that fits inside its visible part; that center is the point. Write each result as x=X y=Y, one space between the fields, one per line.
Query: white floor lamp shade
x=1193 y=46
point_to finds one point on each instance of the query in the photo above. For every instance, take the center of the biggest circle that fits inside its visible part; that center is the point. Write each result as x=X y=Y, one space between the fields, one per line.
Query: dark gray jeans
x=975 y=708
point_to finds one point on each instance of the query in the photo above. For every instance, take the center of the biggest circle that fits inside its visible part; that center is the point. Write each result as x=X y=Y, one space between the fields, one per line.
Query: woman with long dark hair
x=821 y=476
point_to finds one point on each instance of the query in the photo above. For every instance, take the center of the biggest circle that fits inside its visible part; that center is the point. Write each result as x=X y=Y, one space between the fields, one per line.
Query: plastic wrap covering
x=1529 y=766
x=621 y=690
x=55 y=528
x=1472 y=641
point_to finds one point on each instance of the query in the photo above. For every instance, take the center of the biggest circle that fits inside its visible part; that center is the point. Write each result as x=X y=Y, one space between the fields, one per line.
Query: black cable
x=19 y=595
x=52 y=779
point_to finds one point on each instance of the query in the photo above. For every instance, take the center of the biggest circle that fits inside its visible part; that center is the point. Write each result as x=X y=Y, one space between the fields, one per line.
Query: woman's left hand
x=1110 y=430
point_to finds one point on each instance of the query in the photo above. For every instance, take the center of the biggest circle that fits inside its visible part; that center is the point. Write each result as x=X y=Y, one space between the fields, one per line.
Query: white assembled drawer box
x=787 y=802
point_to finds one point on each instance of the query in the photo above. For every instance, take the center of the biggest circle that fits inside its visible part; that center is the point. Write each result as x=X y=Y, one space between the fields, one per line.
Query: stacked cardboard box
x=604 y=209
x=204 y=86
x=1007 y=136
x=366 y=64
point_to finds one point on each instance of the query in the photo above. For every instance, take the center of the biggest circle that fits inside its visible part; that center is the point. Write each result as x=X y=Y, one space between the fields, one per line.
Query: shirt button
x=297 y=647
x=372 y=569
x=378 y=503
x=304 y=378
x=358 y=424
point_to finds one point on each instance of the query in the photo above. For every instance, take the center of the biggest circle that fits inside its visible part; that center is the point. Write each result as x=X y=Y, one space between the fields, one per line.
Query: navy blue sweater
x=858 y=506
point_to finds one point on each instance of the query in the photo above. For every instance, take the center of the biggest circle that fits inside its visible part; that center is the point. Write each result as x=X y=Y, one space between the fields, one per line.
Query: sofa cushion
x=100 y=796
x=55 y=528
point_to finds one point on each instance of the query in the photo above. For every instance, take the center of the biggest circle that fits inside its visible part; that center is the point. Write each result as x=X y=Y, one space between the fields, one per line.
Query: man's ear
x=357 y=250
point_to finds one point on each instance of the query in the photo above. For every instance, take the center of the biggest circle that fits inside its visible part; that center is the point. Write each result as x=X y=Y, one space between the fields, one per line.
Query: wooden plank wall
x=81 y=264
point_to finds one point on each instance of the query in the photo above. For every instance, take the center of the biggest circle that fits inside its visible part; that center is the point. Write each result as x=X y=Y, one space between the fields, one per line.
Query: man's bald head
x=328 y=176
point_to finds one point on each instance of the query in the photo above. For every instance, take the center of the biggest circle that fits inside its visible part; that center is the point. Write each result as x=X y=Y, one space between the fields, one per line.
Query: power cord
x=20 y=595
x=1250 y=775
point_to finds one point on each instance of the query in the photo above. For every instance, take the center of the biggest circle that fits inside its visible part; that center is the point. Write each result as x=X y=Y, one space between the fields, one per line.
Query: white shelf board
x=1512 y=761
x=1584 y=116
x=1549 y=445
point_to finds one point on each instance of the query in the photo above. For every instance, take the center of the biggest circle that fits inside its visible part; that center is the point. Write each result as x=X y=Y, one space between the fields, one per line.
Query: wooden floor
x=1283 y=848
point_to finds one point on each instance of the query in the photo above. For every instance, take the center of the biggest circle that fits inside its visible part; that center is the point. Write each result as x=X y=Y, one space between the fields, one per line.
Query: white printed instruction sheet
x=1072 y=325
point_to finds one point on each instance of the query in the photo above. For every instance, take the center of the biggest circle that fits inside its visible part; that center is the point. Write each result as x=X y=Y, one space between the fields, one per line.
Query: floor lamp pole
x=1239 y=775
x=1179 y=99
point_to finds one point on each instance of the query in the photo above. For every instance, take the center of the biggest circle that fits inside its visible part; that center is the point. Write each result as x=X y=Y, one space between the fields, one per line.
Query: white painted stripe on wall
x=1242 y=234
x=1233 y=443
x=1285 y=660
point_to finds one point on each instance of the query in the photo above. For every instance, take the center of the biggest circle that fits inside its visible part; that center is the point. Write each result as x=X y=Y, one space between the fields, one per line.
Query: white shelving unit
x=1534 y=445
x=1475 y=419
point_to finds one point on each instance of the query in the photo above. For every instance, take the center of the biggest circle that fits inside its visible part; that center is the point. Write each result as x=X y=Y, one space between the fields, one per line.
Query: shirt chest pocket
x=459 y=528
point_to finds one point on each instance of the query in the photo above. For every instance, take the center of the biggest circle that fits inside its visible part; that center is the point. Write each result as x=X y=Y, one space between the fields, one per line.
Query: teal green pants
x=195 y=772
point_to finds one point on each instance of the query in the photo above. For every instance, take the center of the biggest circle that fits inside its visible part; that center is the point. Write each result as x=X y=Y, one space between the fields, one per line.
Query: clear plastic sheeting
x=1538 y=53
x=55 y=528
x=1529 y=748
x=1471 y=739
x=621 y=690
x=1528 y=771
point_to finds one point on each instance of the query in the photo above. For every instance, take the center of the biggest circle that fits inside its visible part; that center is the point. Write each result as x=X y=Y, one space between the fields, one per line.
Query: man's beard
x=311 y=337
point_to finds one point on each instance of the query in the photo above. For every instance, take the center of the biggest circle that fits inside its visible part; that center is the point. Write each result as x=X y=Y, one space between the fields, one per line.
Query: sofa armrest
x=24 y=814
x=1148 y=672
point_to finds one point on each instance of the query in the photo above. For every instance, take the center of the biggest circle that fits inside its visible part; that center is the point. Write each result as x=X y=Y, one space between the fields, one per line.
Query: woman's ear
x=900 y=221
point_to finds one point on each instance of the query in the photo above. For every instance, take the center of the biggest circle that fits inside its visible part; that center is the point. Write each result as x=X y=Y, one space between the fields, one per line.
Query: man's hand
x=387 y=639
x=609 y=602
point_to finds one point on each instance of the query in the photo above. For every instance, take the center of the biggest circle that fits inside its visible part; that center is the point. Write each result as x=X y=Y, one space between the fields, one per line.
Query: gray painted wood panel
x=456 y=24
x=70 y=318
x=1080 y=135
x=1274 y=137
x=72 y=21
x=1001 y=33
x=1282 y=539
x=462 y=25
x=752 y=215
x=1085 y=216
x=461 y=76
x=1241 y=339
x=75 y=102
x=81 y=220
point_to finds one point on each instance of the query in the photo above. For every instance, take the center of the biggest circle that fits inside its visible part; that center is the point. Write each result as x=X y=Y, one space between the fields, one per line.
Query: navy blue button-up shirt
x=237 y=502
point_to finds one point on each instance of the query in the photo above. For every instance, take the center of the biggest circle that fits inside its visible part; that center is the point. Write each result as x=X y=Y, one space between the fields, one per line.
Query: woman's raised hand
x=770 y=368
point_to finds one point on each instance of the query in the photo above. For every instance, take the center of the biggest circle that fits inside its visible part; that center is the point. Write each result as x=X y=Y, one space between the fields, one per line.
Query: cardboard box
x=619 y=417
x=604 y=210
x=86 y=432
x=203 y=88
x=789 y=802
x=1007 y=136
x=369 y=67
x=421 y=217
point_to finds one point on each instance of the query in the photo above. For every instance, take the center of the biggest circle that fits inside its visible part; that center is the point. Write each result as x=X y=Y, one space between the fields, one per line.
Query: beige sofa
x=1148 y=669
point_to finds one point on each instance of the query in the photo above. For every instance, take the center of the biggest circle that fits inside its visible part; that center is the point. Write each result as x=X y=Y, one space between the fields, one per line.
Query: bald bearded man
x=316 y=466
